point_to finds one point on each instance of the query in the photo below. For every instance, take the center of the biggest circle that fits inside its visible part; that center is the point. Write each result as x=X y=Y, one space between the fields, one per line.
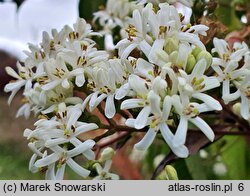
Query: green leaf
x=227 y=15
x=196 y=167
x=236 y=157
x=182 y=170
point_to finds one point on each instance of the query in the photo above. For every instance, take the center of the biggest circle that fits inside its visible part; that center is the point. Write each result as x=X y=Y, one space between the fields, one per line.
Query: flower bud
x=173 y=56
x=236 y=108
x=191 y=61
x=107 y=154
x=171 y=172
x=196 y=51
x=207 y=56
x=171 y=45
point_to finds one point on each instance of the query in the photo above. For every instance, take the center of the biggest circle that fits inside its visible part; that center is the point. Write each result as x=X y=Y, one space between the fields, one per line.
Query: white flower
x=147 y=26
x=188 y=3
x=115 y=14
x=103 y=173
x=58 y=73
x=156 y=106
x=64 y=157
x=108 y=80
x=136 y=32
x=64 y=128
x=230 y=72
x=24 y=77
x=56 y=134
x=189 y=112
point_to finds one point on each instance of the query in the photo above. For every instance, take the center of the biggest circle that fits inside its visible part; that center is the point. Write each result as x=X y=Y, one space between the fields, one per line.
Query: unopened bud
x=171 y=45
x=205 y=55
x=236 y=108
x=171 y=172
x=107 y=154
x=190 y=63
x=173 y=56
x=196 y=51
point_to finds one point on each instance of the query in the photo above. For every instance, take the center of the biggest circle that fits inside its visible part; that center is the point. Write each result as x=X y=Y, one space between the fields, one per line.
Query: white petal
x=191 y=38
x=80 y=80
x=145 y=47
x=225 y=89
x=14 y=85
x=65 y=83
x=122 y=91
x=85 y=128
x=220 y=46
x=143 y=68
x=60 y=172
x=110 y=107
x=54 y=142
x=50 y=173
x=107 y=165
x=210 y=101
x=142 y=118
x=138 y=84
x=244 y=107
x=166 y=133
x=199 y=68
x=203 y=126
x=97 y=101
x=177 y=104
x=51 y=85
x=89 y=154
x=210 y=83
x=154 y=101
x=181 y=151
x=132 y=103
x=128 y=50
x=81 y=148
x=130 y=122
x=232 y=96
x=157 y=55
x=108 y=42
x=167 y=105
x=49 y=109
x=181 y=133
x=77 y=168
x=12 y=72
x=146 y=141
x=73 y=117
x=47 y=160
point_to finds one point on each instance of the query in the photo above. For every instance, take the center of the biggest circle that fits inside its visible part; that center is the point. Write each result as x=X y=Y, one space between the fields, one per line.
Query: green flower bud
x=207 y=56
x=173 y=56
x=196 y=51
x=171 y=45
x=190 y=63
x=107 y=154
x=171 y=172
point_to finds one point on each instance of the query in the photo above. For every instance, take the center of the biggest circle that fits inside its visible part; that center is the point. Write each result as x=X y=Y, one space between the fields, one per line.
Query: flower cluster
x=169 y=87
x=232 y=67
x=160 y=79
